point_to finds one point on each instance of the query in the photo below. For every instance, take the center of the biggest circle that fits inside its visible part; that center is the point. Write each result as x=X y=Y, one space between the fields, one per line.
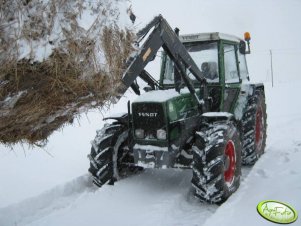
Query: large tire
x=216 y=162
x=109 y=154
x=254 y=127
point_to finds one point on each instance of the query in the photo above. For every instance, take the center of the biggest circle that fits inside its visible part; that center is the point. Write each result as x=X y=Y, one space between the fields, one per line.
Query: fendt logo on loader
x=147 y=114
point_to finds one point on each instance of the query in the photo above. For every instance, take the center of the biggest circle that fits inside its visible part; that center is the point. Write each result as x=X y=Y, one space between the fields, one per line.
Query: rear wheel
x=216 y=162
x=110 y=157
x=254 y=128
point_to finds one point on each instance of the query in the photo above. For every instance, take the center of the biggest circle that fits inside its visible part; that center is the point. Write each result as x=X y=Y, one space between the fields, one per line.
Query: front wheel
x=110 y=155
x=216 y=162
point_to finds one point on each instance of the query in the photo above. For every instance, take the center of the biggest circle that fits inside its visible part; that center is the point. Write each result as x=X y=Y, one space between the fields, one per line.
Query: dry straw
x=37 y=98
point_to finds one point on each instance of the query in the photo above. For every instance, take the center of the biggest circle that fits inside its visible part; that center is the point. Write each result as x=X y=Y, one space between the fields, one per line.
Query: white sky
x=274 y=24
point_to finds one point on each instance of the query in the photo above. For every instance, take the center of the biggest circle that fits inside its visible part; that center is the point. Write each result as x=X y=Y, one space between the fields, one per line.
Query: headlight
x=161 y=134
x=139 y=133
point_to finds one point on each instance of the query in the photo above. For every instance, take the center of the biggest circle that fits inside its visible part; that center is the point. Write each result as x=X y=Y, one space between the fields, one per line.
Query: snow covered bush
x=57 y=59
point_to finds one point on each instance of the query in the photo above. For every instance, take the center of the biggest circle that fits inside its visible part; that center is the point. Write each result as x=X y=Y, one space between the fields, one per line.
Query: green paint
x=182 y=106
x=181 y=110
x=277 y=212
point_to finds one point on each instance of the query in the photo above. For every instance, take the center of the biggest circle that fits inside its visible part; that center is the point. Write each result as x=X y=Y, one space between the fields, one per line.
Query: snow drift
x=58 y=58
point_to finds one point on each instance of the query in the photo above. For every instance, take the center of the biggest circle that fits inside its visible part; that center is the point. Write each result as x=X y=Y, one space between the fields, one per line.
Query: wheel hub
x=229 y=163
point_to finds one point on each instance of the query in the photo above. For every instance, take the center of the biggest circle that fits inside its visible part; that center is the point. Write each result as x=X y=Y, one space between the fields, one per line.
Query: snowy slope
x=163 y=197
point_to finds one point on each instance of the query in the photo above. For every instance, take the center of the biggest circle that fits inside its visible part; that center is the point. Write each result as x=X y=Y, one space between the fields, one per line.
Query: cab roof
x=214 y=36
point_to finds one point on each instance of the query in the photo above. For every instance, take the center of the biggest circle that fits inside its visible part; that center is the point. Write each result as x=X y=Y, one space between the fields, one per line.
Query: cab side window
x=231 y=72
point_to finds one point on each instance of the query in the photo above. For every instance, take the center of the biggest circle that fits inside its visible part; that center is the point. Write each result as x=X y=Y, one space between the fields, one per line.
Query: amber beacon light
x=247 y=36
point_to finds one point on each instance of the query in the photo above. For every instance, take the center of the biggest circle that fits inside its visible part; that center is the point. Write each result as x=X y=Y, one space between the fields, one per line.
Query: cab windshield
x=204 y=54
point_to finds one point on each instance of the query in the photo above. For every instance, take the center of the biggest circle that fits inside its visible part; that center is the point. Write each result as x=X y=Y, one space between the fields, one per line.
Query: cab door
x=231 y=76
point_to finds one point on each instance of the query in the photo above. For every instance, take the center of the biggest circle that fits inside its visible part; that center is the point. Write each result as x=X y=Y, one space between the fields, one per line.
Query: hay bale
x=58 y=58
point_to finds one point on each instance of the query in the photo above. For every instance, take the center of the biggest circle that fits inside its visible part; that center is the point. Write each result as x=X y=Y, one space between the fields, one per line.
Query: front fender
x=122 y=118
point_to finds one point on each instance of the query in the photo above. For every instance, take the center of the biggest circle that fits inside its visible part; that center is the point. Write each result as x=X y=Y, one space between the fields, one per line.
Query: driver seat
x=209 y=70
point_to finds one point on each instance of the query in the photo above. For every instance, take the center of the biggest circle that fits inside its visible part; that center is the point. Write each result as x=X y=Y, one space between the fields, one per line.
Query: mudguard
x=121 y=118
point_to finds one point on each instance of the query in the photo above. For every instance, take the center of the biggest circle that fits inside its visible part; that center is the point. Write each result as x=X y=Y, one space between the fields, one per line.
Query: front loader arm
x=163 y=36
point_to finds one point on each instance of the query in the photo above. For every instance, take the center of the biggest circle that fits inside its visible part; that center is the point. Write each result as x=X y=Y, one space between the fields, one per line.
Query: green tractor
x=203 y=114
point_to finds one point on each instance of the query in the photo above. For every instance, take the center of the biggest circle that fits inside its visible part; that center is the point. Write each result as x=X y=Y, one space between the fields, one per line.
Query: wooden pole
x=272 y=71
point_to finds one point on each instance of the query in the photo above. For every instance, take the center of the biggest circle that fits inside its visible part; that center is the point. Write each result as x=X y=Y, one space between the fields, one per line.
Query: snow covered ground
x=51 y=187
x=160 y=197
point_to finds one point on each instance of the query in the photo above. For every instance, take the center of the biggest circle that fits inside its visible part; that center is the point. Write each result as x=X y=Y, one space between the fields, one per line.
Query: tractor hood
x=174 y=105
x=160 y=95
x=157 y=109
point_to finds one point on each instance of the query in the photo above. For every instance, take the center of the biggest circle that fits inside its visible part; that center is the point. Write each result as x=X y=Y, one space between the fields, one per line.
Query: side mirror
x=242 y=47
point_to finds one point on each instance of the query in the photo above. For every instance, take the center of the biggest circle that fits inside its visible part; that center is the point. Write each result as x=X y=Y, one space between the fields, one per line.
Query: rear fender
x=252 y=88
x=260 y=87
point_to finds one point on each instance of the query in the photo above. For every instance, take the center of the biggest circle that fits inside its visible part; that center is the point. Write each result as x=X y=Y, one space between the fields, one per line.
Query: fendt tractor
x=203 y=114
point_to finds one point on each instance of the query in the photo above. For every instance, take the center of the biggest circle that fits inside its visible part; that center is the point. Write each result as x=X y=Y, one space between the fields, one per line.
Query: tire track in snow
x=39 y=206
x=166 y=194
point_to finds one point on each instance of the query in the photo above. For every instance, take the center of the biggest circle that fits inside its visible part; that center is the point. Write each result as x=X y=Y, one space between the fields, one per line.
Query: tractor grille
x=149 y=117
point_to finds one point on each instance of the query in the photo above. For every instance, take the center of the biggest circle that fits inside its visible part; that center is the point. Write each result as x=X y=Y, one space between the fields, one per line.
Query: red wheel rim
x=259 y=129
x=230 y=160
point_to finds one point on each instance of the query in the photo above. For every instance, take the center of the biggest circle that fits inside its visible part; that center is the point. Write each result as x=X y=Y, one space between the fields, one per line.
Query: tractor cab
x=221 y=60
